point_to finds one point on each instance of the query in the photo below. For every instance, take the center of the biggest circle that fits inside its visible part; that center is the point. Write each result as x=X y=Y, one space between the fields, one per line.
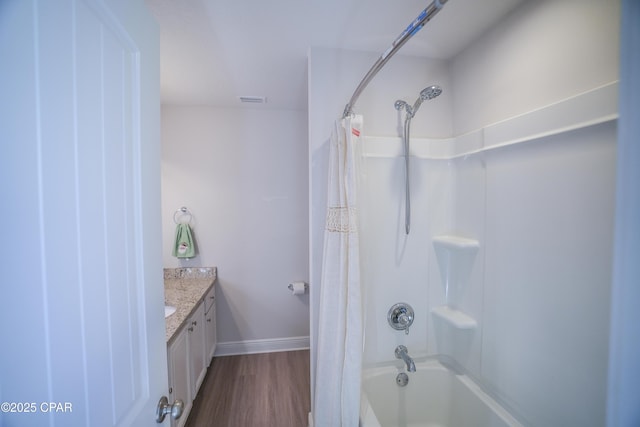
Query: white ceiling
x=213 y=51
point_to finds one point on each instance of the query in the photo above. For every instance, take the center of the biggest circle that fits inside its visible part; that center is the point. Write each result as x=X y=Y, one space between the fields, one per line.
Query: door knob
x=164 y=408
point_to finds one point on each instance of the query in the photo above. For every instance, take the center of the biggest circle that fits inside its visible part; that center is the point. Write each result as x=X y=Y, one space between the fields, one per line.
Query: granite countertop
x=184 y=288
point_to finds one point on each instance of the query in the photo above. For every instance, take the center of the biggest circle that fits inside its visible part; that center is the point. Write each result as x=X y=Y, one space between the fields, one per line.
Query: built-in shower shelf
x=448 y=241
x=455 y=318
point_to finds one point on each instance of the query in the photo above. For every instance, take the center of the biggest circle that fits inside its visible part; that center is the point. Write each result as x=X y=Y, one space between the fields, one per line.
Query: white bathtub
x=434 y=397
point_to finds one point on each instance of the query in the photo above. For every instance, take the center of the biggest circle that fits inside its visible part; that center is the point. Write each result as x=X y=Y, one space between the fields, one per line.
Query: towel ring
x=178 y=214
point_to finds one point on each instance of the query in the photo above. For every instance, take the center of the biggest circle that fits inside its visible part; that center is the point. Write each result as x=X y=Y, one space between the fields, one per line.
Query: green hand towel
x=183 y=247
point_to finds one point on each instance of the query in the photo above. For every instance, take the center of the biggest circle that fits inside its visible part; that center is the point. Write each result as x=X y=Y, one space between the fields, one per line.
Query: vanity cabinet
x=189 y=353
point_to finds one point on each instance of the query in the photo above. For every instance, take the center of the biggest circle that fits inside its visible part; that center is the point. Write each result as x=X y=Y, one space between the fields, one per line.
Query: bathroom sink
x=169 y=310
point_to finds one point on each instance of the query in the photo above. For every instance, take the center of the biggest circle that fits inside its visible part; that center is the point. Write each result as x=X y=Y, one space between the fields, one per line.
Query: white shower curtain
x=339 y=351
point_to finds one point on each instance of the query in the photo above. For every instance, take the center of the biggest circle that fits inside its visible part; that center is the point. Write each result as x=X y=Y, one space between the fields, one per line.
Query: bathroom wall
x=543 y=52
x=545 y=215
x=548 y=251
x=243 y=175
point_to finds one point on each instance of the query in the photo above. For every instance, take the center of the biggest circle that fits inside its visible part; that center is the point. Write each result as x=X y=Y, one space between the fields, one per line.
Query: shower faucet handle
x=405 y=321
x=400 y=317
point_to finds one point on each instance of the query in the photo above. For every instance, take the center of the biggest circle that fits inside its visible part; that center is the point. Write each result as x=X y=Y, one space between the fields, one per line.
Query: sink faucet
x=403 y=353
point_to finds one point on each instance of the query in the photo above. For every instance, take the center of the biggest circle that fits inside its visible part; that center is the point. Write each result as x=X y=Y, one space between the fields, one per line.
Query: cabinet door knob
x=208 y=320
x=191 y=329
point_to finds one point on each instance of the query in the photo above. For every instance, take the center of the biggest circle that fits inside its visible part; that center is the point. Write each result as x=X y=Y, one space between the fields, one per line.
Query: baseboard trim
x=232 y=348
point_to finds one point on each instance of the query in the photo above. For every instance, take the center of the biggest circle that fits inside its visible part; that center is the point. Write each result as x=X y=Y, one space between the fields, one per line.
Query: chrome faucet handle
x=400 y=317
x=405 y=320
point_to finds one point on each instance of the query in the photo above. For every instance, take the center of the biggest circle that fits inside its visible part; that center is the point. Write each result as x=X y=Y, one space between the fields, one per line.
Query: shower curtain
x=339 y=351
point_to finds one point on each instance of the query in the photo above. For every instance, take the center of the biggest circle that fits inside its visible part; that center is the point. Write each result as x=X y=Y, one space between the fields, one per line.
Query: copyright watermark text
x=36 y=407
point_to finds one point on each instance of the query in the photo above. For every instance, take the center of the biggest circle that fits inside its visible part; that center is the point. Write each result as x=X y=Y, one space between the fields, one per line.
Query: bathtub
x=434 y=397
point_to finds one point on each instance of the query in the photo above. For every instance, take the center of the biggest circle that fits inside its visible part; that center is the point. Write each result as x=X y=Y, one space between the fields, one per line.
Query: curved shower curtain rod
x=417 y=24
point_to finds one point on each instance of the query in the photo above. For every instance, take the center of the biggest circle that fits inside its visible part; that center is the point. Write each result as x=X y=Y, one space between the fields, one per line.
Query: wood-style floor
x=255 y=390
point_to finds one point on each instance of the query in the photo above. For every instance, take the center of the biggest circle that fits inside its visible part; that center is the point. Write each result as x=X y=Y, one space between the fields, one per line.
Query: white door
x=81 y=301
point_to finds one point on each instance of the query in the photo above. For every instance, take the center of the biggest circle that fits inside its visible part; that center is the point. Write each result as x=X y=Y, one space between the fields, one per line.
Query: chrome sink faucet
x=403 y=353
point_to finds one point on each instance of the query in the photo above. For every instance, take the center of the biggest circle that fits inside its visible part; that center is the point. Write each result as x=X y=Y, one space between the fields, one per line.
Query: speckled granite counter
x=184 y=288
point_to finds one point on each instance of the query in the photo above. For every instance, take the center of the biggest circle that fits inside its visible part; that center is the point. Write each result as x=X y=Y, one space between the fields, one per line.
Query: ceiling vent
x=253 y=99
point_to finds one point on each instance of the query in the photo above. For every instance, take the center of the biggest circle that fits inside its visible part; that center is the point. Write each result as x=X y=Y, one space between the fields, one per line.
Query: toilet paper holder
x=291 y=287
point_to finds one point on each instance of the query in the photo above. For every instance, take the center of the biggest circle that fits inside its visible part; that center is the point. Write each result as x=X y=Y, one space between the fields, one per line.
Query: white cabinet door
x=179 y=375
x=210 y=326
x=209 y=299
x=196 y=349
x=81 y=309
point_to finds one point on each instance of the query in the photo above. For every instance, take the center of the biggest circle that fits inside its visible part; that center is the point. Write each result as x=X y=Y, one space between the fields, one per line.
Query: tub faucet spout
x=403 y=353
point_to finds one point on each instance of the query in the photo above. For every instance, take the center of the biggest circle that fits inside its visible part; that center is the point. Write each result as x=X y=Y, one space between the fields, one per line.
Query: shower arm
x=424 y=17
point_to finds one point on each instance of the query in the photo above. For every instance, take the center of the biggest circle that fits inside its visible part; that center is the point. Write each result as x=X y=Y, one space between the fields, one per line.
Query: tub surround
x=184 y=288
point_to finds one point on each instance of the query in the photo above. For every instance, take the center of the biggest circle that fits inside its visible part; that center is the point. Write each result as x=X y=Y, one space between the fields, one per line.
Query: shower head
x=430 y=92
x=426 y=93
